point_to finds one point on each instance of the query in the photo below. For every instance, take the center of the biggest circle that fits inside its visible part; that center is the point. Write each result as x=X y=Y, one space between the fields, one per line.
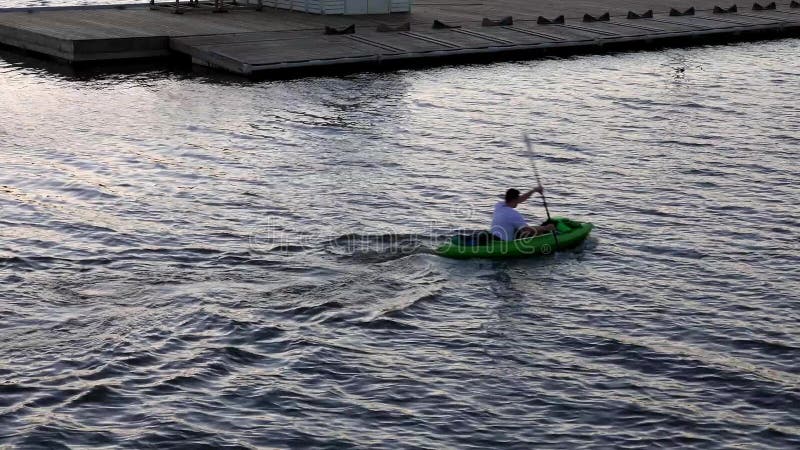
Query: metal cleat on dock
x=645 y=15
x=602 y=18
x=675 y=13
x=545 y=21
x=719 y=10
x=351 y=29
x=505 y=21
x=439 y=25
x=759 y=7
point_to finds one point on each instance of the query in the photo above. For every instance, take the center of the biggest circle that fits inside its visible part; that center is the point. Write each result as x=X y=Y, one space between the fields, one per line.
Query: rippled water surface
x=206 y=263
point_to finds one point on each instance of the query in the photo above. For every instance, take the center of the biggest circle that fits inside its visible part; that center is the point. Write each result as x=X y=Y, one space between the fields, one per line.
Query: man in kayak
x=508 y=224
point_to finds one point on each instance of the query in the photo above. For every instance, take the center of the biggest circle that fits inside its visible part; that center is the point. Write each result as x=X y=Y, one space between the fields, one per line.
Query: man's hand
x=538 y=189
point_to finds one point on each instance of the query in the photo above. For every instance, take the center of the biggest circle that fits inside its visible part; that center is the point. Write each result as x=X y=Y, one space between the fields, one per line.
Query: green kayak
x=569 y=234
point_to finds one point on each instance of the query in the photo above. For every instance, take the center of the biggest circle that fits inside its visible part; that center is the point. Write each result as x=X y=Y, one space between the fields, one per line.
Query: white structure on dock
x=347 y=7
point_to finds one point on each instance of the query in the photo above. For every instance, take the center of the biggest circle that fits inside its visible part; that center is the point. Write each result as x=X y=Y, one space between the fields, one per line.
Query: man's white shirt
x=506 y=221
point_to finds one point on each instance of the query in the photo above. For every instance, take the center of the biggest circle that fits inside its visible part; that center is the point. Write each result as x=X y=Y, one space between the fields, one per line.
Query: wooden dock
x=276 y=42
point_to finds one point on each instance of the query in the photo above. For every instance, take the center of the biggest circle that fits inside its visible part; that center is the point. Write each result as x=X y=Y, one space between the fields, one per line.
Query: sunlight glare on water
x=201 y=262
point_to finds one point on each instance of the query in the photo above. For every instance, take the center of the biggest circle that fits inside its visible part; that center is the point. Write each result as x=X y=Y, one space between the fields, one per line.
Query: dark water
x=200 y=263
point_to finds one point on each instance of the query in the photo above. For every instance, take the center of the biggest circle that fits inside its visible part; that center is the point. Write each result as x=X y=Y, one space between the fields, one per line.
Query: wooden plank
x=271 y=52
x=460 y=40
x=556 y=31
x=734 y=19
x=640 y=26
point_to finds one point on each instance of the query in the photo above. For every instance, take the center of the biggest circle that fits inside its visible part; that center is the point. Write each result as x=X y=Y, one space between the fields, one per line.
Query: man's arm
x=538 y=189
x=529 y=231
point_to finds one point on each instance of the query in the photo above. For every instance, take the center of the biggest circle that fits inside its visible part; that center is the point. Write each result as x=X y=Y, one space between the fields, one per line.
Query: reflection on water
x=196 y=261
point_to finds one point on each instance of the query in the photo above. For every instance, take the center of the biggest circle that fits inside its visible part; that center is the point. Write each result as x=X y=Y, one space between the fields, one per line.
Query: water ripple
x=188 y=262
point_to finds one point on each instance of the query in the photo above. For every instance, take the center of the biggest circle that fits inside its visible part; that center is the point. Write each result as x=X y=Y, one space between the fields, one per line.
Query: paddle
x=539 y=182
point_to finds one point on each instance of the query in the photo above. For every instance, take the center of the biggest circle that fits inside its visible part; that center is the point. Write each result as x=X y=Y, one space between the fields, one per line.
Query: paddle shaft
x=539 y=182
x=536 y=173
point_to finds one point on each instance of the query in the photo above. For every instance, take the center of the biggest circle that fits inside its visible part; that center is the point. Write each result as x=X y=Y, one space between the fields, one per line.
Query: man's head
x=512 y=197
